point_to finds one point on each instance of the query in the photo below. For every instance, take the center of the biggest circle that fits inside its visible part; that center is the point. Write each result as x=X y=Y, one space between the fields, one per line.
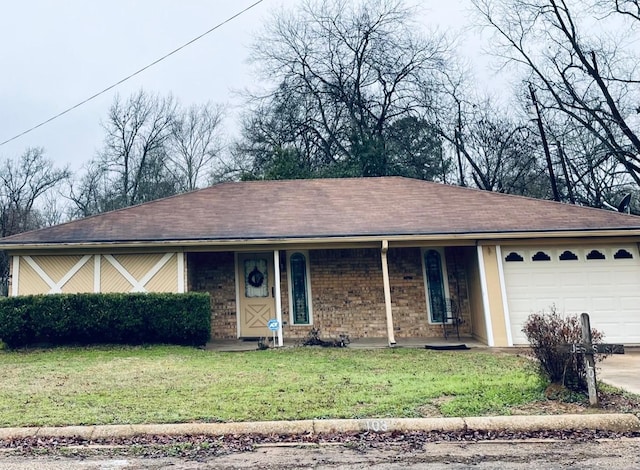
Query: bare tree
x=194 y=144
x=134 y=152
x=630 y=8
x=580 y=75
x=592 y=176
x=345 y=72
x=52 y=210
x=95 y=192
x=25 y=183
x=131 y=167
x=496 y=151
x=152 y=148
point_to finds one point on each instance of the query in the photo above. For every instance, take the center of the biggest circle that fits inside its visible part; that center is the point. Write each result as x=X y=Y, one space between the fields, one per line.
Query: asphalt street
x=623 y=454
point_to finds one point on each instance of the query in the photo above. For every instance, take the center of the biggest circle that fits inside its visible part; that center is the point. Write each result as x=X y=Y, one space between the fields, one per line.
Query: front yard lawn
x=117 y=385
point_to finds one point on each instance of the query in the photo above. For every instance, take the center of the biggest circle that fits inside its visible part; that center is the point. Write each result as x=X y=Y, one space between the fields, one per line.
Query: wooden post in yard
x=589 y=362
x=588 y=349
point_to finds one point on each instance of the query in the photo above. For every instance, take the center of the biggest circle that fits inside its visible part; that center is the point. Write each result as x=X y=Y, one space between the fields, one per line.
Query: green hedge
x=105 y=318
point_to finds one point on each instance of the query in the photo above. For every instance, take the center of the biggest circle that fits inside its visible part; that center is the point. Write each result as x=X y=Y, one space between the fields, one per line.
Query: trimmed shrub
x=547 y=333
x=105 y=318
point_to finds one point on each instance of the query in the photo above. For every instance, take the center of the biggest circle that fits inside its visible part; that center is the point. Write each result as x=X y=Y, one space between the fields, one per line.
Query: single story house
x=367 y=257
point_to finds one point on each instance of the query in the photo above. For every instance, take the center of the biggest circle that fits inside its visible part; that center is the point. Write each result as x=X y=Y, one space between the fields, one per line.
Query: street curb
x=525 y=423
x=575 y=422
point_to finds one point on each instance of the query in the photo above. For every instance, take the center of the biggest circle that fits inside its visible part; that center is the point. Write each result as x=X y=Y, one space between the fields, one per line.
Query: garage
x=603 y=281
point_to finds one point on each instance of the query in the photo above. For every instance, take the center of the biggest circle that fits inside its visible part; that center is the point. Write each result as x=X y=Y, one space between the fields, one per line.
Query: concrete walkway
x=622 y=370
x=362 y=343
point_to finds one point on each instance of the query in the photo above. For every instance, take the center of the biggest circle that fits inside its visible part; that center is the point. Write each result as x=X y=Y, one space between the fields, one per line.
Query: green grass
x=112 y=385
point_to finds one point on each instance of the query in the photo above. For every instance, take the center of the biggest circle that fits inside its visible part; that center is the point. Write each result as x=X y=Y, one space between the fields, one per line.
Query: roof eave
x=327 y=240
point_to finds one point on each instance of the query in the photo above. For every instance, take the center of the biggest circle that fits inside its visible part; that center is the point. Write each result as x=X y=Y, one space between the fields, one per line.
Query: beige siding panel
x=30 y=281
x=111 y=280
x=82 y=281
x=496 y=305
x=56 y=266
x=139 y=265
x=166 y=280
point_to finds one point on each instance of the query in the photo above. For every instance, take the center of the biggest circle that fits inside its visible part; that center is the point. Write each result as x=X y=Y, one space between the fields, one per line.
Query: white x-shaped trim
x=139 y=286
x=56 y=287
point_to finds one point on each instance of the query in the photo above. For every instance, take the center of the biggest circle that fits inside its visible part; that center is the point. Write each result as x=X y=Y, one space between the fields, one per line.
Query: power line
x=94 y=96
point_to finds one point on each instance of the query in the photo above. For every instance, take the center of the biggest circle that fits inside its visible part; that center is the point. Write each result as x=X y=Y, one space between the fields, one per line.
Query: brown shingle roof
x=328 y=208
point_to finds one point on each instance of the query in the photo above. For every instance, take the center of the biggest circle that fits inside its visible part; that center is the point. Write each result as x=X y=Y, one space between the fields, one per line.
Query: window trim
x=304 y=253
x=445 y=280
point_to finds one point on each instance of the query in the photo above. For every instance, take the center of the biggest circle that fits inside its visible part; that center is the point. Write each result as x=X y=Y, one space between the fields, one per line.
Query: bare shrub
x=547 y=334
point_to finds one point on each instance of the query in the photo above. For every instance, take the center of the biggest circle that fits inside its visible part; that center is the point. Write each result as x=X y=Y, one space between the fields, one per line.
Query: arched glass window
x=434 y=276
x=622 y=254
x=595 y=254
x=299 y=289
x=568 y=256
x=541 y=256
x=513 y=256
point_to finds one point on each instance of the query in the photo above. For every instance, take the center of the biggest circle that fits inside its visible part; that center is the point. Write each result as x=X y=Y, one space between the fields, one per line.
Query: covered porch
x=377 y=293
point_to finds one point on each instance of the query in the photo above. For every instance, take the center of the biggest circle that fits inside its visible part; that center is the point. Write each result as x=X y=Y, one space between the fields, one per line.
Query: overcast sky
x=54 y=54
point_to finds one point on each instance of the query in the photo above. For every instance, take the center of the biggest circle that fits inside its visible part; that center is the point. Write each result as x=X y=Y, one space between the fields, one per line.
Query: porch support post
x=387 y=292
x=276 y=283
x=97 y=270
x=15 y=275
x=181 y=272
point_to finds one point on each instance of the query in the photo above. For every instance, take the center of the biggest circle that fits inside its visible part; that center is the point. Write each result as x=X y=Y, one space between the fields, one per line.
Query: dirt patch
x=619 y=402
x=433 y=407
x=548 y=407
x=429 y=410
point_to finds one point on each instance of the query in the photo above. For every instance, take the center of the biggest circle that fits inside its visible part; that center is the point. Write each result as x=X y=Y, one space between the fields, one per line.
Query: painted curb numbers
x=377 y=425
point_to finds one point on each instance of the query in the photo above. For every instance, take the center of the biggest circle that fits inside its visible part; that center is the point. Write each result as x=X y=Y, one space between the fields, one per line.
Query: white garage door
x=602 y=281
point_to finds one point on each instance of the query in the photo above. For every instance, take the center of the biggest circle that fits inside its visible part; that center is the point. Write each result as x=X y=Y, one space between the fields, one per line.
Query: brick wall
x=408 y=301
x=346 y=287
x=348 y=296
x=214 y=273
x=408 y=297
x=346 y=291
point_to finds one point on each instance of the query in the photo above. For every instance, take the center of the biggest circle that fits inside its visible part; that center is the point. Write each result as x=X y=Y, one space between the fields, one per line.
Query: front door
x=257 y=304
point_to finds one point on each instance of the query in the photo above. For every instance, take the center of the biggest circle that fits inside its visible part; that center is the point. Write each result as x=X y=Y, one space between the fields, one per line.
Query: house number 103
x=377 y=425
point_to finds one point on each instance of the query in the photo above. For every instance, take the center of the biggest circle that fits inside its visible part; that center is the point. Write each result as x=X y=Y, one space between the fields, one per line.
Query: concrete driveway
x=622 y=370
